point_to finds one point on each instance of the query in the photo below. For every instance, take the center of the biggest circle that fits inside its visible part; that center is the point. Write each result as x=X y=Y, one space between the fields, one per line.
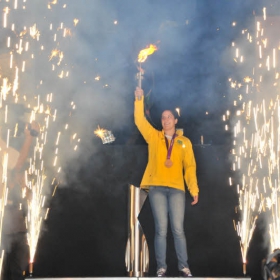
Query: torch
x=142 y=56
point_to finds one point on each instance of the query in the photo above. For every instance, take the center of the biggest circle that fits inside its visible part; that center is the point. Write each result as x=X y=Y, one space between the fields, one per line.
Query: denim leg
x=159 y=206
x=176 y=213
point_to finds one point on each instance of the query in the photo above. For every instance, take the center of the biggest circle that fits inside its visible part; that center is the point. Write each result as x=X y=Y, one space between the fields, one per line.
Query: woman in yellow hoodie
x=170 y=162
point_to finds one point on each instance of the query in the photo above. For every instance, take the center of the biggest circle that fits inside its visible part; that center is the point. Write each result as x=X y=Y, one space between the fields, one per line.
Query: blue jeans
x=170 y=202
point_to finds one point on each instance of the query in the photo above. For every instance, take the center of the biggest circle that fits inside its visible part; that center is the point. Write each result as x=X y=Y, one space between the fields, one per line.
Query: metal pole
x=137 y=252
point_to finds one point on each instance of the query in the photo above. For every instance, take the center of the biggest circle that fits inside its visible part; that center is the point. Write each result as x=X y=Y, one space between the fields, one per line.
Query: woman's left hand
x=195 y=200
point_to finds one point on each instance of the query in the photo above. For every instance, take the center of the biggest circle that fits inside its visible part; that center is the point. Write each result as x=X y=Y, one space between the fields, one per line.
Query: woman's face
x=168 y=120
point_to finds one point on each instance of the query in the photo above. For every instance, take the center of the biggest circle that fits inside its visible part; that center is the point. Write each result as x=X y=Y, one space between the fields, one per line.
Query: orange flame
x=143 y=54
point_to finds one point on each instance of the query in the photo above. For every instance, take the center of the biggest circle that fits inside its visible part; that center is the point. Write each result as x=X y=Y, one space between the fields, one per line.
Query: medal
x=168 y=163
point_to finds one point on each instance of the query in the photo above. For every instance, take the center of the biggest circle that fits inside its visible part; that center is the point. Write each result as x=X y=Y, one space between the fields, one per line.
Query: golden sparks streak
x=20 y=49
x=256 y=145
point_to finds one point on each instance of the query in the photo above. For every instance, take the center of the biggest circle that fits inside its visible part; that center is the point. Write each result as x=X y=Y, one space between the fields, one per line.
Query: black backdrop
x=86 y=232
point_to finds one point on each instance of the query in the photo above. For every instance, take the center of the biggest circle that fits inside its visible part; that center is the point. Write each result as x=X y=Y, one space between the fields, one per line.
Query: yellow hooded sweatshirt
x=182 y=156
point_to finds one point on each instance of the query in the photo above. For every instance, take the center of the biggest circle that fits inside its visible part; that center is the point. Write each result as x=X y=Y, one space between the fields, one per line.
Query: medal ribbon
x=169 y=149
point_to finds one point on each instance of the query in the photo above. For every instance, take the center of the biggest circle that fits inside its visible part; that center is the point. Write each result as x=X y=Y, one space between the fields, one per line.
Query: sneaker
x=161 y=272
x=185 y=272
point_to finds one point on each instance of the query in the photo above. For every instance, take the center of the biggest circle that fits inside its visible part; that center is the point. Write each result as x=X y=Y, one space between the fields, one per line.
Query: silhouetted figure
x=271 y=266
x=14 y=233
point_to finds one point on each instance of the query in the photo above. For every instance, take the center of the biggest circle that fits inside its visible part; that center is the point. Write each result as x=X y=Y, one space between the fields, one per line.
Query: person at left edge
x=14 y=231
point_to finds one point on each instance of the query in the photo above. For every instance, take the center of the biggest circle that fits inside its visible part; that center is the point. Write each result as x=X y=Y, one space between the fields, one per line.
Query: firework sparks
x=34 y=32
x=105 y=135
x=76 y=21
x=22 y=53
x=100 y=132
x=256 y=131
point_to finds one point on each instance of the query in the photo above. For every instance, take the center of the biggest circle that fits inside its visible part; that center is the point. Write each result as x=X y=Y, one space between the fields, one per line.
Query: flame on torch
x=143 y=54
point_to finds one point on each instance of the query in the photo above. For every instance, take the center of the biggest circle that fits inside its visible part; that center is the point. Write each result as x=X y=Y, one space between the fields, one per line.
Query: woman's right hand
x=138 y=93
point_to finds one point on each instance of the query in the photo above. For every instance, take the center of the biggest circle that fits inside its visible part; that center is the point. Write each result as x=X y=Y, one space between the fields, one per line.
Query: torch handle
x=139 y=80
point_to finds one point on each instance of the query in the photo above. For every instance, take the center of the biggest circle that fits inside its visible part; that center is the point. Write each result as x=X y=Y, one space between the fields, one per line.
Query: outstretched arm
x=141 y=122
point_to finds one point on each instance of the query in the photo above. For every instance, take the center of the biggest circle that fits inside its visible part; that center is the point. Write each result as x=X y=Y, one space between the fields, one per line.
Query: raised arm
x=141 y=122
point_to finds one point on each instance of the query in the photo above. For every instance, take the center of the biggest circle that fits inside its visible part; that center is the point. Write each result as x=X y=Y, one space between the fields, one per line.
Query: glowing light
x=247 y=79
x=76 y=21
x=6 y=11
x=55 y=53
x=34 y=33
x=142 y=56
x=99 y=132
x=178 y=111
x=105 y=135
